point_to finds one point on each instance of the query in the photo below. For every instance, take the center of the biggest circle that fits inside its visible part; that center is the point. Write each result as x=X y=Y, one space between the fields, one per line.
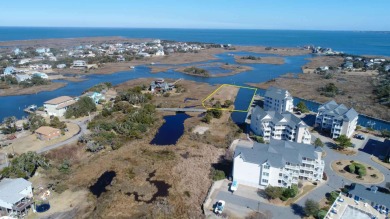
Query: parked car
x=233 y=186
x=219 y=207
x=360 y=136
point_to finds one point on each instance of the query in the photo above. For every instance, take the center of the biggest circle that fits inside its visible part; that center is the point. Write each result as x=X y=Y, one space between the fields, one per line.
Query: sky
x=208 y=14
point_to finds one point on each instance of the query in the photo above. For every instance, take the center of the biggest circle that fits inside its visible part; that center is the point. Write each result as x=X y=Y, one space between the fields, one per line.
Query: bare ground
x=226 y=92
x=306 y=85
x=17 y=90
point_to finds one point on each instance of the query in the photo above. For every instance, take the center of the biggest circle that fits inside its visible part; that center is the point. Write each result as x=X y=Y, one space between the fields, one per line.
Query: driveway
x=83 y=128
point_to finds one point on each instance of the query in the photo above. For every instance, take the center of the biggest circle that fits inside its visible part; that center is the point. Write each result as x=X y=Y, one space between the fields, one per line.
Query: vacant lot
x=221 y=95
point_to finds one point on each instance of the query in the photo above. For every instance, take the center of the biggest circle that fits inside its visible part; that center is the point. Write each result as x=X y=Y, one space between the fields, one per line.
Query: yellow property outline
x=225 y=109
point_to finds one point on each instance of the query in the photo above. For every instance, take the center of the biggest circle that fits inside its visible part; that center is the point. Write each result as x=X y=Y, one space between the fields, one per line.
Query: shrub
x=273 y=192
x=374 y=176
x=217 y=174
x=321 y=214
x=187 y=193
x=290 y=192
x=302 y=107
x=351 y=168
x=331 y=197
x=311 y=207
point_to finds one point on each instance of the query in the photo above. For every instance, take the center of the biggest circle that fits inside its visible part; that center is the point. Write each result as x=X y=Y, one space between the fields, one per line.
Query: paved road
x=83 y=129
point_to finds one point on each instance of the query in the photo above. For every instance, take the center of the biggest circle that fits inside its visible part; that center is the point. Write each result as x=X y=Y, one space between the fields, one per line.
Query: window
x=280 y=174
x=265 y=180
x=265 y=174
x=266 y=167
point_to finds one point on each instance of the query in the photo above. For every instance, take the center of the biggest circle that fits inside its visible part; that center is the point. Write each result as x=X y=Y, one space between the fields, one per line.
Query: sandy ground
x=226 y=92
x=30 y=142
x=263 y=60
x=306 y=85
x=200 y=129
x=16 y=90
x=317 y=61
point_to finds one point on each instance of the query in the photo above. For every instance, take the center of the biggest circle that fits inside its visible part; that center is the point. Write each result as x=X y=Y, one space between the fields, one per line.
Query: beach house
x=79 y=64
x=95 y=96
x=337 y=119
x=279 y=163
x=279 y=100
x=46 y=133
x=15 y=196
x=58 y=106
x=280 y=126
x=22 y=77
x=9 y=70
x=41 y=75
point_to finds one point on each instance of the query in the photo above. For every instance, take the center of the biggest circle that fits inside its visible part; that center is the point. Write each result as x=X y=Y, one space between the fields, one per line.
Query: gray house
x=380 y=201
x=15 y=196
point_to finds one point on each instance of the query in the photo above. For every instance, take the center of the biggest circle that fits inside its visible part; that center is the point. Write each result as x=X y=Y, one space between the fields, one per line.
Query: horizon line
x=193 y=28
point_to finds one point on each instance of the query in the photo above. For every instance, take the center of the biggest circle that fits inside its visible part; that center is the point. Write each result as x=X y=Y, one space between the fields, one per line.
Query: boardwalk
x=181 y=110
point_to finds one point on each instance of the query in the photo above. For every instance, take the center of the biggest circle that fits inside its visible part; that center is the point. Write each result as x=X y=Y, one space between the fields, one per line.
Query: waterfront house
x=22 y=77
x=41 y=75
x=24 y=61
x=58 y=106
x=159 y=85
x=46 y=133
x=280 y=126
x=79 y=64
x=379 y=200
x=9 y=71
x=337 y=119
x=348 y=65
x=61 y=66
x=159 y=53
x=279 y=100
x=42 y=50
x=95 y=96
x=279 y=163
x=15 y=196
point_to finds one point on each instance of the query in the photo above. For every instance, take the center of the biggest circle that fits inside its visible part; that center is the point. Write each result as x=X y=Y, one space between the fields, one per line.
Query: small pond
x=42 y=207
x=171 y=130
x=104 y=180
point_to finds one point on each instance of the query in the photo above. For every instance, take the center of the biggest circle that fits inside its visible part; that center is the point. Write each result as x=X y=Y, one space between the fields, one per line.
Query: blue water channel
x=14 y=105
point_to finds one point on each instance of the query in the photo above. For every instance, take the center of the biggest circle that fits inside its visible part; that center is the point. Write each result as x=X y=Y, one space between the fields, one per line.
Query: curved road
x=83 y=128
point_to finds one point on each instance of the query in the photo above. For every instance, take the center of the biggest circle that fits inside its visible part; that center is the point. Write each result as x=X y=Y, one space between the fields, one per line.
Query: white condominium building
x=338 y=119
x=279 y=126
x=279 y=163
x=279 y=100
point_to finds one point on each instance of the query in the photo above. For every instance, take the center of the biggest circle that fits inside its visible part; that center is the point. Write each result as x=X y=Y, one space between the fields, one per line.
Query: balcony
x=23 y=204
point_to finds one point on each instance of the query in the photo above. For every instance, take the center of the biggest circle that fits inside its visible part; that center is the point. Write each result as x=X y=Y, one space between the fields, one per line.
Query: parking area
x=243 y=202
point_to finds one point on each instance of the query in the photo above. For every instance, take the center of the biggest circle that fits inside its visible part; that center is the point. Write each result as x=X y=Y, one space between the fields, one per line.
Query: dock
x=255 y=102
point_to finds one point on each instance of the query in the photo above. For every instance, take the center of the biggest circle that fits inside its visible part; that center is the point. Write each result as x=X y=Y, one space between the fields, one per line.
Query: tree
x=273 y=192
x=385 y=133
x=56 y=123
x=24 y=166
x=318 y=143
x=302 y=107
x=343 y=142
x=81 y=108
x=291 y=192
x=311 y=207
x=35 y=121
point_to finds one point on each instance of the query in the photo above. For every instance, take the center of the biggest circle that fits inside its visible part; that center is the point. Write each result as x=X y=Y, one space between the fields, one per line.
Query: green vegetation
x=9 y=125
x=213 y=113
x=381 y=85
x=34 y=122
x=343 y=142
x=273 y=192
x=301 y=106
x=197 y=71
x=318 y=143
x=258 y=138
x=121 y=122
x=330 y=90
x=385 y=133
x=99 y=87
x=251 y=57
x=56 y=123
x=24 y=166
x=82 y=107
x=217 y=174
x=357 y=168
x=332 y=196
x=9 y=80
x=34 y=81
x=311 y=208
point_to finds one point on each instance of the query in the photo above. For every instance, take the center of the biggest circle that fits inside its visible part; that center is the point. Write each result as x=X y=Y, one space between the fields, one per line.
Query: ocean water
x=354 y=42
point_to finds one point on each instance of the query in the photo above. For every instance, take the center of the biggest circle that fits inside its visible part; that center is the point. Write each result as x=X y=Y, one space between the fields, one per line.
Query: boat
x=132 y=67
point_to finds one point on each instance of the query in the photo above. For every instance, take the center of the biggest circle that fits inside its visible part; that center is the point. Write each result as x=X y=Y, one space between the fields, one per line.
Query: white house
x=159 y=53
x=279 y=163
x=41 y=75
x=58 y=106
x=279 y=100
x=338 y=119
x=9 y=70
x=15 y=195
x=24 y=61
x=279 y=126
x=79 y=64
x=61 y=66
x=42 y=50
